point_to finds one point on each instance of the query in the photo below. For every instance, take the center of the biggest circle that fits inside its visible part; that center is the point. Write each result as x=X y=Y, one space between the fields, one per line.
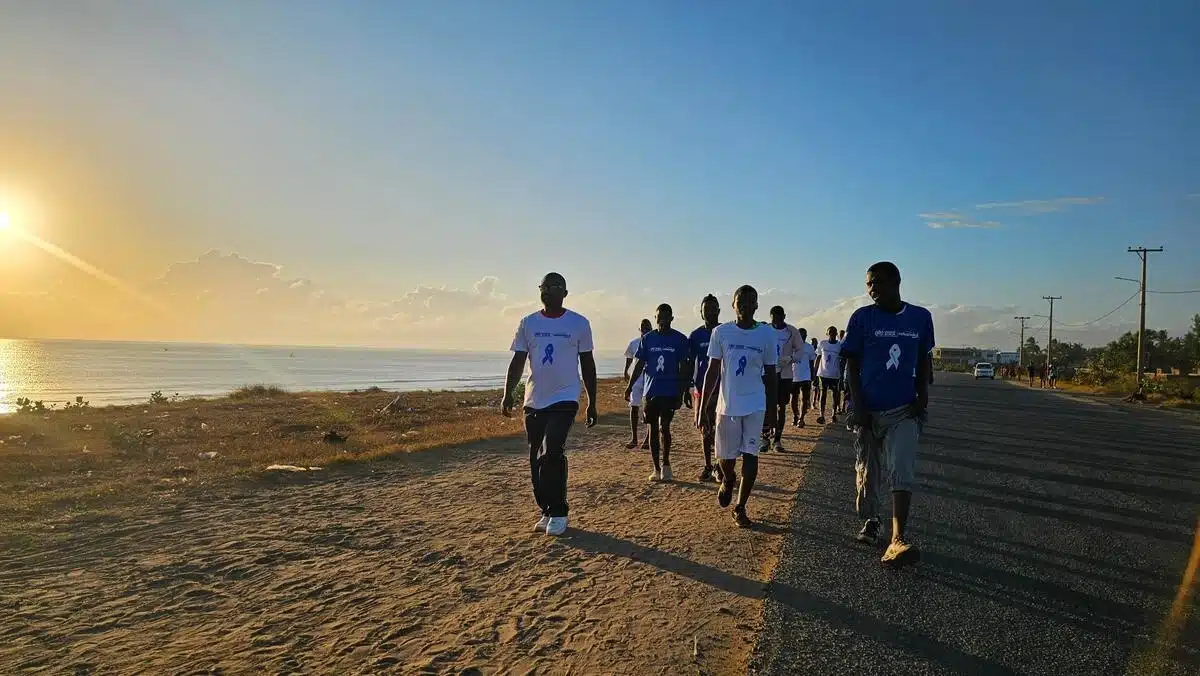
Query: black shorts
x=661 y=407
x=799 y=386
x=831 y=384
x=785 y=390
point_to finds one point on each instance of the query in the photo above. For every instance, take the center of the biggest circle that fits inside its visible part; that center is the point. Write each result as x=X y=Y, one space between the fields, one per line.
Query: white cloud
x=1042 y=206
x=941 y=215
x=938 y=225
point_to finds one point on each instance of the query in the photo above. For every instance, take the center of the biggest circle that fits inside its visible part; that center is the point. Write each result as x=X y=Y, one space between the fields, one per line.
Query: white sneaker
x=666 y=472
x=541 y=524
x=656 y=475
x=557 y=525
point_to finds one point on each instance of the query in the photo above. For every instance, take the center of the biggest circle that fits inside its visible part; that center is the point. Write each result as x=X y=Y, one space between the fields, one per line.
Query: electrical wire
x=1106 y=314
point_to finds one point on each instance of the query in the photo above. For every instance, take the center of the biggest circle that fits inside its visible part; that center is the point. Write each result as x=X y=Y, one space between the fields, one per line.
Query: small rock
x=178 y=471
x=208 y=455
x=332 y=437
x=286 y=468
x=85 y=449
x=204 y=426
x=87 y=428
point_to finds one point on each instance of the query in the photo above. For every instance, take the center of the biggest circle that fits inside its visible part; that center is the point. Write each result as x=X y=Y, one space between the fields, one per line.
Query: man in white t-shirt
x=802 y=372
x=740 y=394
x=639 y=387
x=557 y=343
x=829 y=368
x=788 y=346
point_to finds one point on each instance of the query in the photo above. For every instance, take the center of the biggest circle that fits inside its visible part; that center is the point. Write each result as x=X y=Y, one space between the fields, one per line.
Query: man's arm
x=587 y=365
x=708 y=395
x=924 y=365
x=516 y=368
x=771 y=380
x=638 y=367
x=854 y=376
x=628 y=361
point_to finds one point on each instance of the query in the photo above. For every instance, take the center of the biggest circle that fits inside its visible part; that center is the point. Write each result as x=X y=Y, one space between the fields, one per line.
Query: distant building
x=965 y=356
x=1005 y=358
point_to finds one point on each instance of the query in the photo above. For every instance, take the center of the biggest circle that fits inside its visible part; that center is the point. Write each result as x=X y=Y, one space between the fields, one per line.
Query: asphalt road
x=1055 y=532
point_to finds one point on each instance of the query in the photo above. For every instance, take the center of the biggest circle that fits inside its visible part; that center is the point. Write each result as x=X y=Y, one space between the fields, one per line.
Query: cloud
x=941 y=215
x=1042 y=206
x=938 y=225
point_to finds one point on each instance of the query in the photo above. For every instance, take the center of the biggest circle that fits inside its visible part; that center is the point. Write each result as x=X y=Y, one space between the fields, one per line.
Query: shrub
x=157 y=397
x=26 y=405
x=255 y=391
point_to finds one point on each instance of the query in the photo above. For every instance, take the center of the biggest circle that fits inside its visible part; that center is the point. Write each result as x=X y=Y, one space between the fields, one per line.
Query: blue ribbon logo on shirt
x=662 y=364
x=741 y=366
x=549 y=356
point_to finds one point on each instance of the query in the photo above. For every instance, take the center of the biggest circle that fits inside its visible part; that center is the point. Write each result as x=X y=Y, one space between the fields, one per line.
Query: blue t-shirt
x=662 y=354
x=698 y=342
x=887 y=346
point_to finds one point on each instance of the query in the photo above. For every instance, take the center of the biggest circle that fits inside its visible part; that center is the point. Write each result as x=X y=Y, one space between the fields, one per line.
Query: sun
x=4 y=220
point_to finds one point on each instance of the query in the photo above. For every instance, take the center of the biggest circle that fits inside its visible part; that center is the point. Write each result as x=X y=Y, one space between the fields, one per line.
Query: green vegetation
x=257 y=392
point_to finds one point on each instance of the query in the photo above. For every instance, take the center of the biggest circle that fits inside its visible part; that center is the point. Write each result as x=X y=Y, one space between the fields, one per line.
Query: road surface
x=1055 y=534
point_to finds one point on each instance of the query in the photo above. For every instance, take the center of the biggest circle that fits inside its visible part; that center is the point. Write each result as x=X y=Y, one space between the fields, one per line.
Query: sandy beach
x=419 y=562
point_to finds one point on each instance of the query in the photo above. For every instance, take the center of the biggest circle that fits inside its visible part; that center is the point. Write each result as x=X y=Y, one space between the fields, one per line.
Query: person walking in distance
x=739 y=392
x=829 y=368
x=789 y=345
x=560 y=342
x=1032 y=369
x=663 y=357
x=802 y=372
x=887 y=346
x=637 y=389
x=710 y=311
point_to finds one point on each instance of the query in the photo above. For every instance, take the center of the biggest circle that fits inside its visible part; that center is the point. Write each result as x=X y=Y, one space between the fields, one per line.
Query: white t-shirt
x=631 y=353
x=554 y=346
x=743 y=354
x=802 y=367
x=831 y=355
x=787 y=340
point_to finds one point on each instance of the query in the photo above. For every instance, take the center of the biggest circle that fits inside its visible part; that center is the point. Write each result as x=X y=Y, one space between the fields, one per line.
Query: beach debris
x=695 y=646
x=85 y=449
x=410 y=433
x=181 y=470
x=147 y=433
x=204 y=426
x=332 y=437
x=392 y=407
x=290 y=468
x=208 y=455
x=15 y=437
x=87 y=428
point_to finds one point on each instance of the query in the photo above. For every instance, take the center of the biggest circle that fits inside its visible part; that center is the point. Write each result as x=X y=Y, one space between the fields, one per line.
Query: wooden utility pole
x=1021 y=345
x=1050 y=339
x=1143 y=253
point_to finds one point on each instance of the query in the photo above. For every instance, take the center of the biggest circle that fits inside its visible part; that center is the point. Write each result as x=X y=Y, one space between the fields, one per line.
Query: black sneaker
x=834 y=417
x=820 y=420
x=869 y=533
x=725 y=494
x=706 y=475
x=740 y=518
x=900 y=554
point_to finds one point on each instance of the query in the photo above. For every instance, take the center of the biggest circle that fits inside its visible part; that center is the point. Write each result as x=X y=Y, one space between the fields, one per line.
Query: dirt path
x=424 y=564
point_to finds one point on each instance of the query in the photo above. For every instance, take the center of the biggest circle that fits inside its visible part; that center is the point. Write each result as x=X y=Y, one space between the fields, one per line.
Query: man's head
x=814 y=342
x=831 y=332
x=842 y=334
x=710 y=309
x=883 y=283
x=778 y=315
x=745 y=303
x=553 y=290
x=663 y=317
x=645 y=327
x=804 y=335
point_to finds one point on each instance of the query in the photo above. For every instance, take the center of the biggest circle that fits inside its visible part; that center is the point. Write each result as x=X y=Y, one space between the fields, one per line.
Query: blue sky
x=674 y=147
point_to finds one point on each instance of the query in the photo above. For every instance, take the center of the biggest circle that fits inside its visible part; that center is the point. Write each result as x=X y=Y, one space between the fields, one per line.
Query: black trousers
x=547 y=430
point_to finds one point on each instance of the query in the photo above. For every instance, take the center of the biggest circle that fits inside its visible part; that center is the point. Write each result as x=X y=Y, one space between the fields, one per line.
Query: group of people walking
x=739 y=378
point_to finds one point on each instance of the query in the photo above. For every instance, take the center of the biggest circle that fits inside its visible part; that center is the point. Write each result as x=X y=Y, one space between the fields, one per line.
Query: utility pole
x=1143 y=253
x=1050 y=339
x=1021 y=345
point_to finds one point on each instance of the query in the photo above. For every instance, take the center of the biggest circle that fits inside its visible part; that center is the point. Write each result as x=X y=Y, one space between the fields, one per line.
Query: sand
x=426 y=563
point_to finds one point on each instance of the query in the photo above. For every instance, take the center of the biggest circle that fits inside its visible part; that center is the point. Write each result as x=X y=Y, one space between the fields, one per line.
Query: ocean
x=103 y=373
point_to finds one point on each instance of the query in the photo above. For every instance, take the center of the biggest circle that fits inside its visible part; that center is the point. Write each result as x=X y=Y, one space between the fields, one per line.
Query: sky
x=403 y=173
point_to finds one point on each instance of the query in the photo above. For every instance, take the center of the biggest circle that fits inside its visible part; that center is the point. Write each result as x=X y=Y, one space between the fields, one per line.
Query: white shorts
x=738 y=434
x=639 y=389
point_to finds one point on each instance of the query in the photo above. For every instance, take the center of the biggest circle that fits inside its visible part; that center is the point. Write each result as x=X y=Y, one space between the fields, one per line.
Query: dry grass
x=103 y=458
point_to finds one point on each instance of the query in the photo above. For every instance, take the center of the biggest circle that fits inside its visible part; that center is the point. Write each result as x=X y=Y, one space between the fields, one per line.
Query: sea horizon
x=104 y=372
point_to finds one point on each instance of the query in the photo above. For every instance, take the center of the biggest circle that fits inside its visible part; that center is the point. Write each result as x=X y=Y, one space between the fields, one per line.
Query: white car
x=985 y=370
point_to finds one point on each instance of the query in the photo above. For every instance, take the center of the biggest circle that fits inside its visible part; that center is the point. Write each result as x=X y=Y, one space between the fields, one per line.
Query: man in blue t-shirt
x=887 y=351
x=710 y=310
x=662 y=357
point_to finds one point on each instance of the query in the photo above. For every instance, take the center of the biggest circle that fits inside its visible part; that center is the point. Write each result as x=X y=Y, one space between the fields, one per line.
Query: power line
x=1188 y=291
x=1106 y=314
